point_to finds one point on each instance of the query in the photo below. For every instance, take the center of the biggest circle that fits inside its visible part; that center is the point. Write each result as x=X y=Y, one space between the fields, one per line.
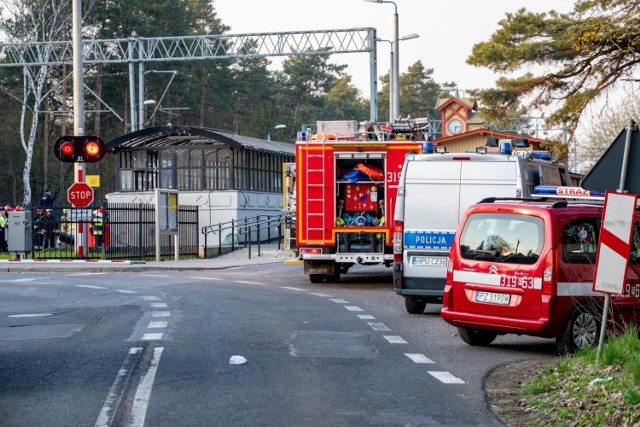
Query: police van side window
x=580 y=240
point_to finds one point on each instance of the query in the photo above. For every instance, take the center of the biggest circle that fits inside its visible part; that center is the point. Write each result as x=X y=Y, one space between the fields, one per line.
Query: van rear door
x=498 y=268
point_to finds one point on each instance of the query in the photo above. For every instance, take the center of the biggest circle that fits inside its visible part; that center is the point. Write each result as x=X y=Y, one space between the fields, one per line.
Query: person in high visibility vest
x=3 y=229
x=97 y=226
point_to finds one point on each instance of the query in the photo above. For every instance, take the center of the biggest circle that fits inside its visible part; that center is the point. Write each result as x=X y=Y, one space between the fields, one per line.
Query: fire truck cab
x=347 y=181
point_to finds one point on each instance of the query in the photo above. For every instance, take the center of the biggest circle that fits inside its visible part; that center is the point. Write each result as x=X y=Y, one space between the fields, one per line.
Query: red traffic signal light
x=80 y=149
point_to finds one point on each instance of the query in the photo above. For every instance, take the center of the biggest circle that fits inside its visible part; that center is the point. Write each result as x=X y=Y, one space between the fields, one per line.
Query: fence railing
x=128 y=233
x=246 y=232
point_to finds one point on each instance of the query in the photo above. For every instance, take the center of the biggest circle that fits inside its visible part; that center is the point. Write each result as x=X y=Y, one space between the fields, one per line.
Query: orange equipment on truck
x=346 y=185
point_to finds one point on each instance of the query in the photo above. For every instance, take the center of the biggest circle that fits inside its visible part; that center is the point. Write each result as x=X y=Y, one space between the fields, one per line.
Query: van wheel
x=316 y=278
x=582 y=330
x=414 y=305
x=478 y=337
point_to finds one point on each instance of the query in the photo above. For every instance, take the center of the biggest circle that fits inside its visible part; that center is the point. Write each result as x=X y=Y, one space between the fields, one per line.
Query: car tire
x=477 y=337
x=582 y=330
x=414 y=305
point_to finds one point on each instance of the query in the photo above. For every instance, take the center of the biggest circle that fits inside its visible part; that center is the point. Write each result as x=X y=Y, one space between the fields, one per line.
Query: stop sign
x=80 y=194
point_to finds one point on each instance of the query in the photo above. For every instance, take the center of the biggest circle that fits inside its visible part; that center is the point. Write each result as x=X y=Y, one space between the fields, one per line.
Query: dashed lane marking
x=318 y=294
x=152 y=337
x=125 y=291
x=419 y=358
x=340 y=301
x=88 y=274
x=153 y=275
x=393 y=339
x=247 y=282
x=291 y=288
x=157 y=325
x=24 y=279
x=150 y=298
x=366 y=317
x=161 y=314
x=158 y=305
x=205 y=278
x=353 y=308
x=90 y=287
x=31 y=315
x=445 y=377
x=378 y=326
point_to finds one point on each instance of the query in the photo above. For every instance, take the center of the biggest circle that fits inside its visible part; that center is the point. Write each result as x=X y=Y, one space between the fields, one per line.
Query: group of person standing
x=49 y=232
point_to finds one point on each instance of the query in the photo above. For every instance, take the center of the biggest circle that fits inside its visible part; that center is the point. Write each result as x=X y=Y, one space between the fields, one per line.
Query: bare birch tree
x=40 y=22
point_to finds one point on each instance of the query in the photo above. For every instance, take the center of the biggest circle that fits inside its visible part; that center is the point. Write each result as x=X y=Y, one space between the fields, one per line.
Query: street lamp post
x=274 y=128
x=396 y=58
x=390 y=77
x=392 y=81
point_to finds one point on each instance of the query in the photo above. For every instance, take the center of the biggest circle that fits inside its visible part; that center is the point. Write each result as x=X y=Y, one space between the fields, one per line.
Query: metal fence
x=246 y=232
x=128 y=233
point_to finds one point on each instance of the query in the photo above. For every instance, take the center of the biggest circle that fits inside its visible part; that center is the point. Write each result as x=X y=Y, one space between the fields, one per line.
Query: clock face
x=455 y=126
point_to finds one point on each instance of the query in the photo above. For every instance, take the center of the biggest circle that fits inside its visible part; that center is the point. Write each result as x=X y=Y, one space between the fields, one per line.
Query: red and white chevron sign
x=615 y=242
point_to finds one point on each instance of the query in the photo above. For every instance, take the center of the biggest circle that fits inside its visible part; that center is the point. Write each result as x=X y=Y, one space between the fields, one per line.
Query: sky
x=447 y=30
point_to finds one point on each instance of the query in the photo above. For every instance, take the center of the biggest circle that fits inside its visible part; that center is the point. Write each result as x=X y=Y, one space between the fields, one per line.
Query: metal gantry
x=141 y=50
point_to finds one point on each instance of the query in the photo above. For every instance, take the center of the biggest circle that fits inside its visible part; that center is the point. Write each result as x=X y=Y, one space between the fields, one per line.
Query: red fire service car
x=527 y=267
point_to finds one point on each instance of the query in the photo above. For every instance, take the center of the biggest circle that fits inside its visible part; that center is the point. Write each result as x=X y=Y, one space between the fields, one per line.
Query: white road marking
x=114 y=397
x=24 y=279
x=31 y=315
x=158 y=305
x=143 y=393
x=90 y=287
x=318 y=294
x=419 y=358
x=291 y=288
x=340 y=301
x=247 y=282
x=150 y=298
x=378 y=326
x=366 y=316
x=157 y=325
x=205 y=278
x=394 y=339
x=125 y=291
x=88 y=274
x=153 y=275
x=161 y=314
x=446 y=377
x=152 y=337
x=353 y=308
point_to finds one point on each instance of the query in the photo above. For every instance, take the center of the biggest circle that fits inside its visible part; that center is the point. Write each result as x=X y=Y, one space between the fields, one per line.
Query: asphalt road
x=252 y=345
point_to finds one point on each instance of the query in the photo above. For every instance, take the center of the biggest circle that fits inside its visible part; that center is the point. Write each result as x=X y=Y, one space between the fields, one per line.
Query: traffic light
x=80 y=149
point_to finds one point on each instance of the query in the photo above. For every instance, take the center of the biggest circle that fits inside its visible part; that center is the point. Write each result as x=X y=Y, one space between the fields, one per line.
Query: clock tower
x=455 y=114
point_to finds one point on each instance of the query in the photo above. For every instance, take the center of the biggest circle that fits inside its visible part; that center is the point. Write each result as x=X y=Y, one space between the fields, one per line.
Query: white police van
x=433 y=193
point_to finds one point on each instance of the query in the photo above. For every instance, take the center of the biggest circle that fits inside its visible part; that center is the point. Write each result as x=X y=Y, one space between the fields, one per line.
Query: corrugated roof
x=166 y=136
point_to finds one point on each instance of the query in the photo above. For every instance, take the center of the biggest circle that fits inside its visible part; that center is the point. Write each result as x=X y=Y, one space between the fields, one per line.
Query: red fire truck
x=347 y=181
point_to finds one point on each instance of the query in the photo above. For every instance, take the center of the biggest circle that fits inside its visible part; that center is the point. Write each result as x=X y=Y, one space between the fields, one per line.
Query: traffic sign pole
x=82 y=237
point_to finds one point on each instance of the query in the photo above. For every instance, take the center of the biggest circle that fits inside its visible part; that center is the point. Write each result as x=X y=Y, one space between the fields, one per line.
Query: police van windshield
x=504 y=238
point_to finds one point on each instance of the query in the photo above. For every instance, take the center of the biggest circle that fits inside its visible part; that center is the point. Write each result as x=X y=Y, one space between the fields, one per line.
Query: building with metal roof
x=229 y=176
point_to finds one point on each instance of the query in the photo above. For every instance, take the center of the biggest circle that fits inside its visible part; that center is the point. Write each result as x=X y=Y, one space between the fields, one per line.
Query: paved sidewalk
x=240 y=257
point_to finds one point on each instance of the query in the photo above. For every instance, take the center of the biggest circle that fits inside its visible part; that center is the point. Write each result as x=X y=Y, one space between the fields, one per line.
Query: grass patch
x=576 y=392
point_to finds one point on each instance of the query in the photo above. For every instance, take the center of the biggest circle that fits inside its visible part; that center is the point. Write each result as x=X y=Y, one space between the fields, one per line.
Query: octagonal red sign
x=80 y=194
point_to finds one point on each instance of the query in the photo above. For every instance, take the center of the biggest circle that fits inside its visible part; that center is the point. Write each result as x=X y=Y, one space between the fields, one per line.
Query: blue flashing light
x=505 y=147
x=542 y=155
x=427 y=147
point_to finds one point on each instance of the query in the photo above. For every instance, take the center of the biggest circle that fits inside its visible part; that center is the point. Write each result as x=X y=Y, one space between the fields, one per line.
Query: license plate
x=429 y=261
x=493 y=298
